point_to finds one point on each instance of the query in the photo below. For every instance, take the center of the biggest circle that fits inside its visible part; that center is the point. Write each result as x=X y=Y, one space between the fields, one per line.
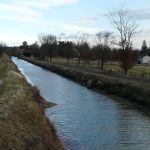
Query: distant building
x=144 y=60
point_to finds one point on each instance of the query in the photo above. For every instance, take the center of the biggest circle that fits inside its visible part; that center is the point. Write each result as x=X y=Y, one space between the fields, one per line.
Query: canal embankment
x=131 y=90
x=23 y=124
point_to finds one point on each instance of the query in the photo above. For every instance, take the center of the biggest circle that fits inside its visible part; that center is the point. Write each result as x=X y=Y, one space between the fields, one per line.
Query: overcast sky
x=25 y=19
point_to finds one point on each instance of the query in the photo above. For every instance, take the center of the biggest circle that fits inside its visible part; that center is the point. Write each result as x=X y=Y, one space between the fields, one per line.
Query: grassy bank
x=23 y=125
x=132 y=90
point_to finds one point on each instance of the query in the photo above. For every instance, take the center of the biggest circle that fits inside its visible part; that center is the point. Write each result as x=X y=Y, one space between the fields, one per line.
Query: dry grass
x=23 y=125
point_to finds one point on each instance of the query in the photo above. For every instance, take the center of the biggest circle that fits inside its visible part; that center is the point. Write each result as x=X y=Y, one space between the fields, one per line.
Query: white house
x=145 y=60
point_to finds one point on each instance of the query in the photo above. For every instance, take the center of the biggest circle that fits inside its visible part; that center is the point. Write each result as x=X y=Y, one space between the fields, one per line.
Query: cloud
x=144 y=32
x=29 y=9
x=15 y=8
x=19 y=18
x=86 y=20
x=18 y=38
x=68 y=28
x=26 y=11
x=76 y=28
x=141 y=14
x=45 y=3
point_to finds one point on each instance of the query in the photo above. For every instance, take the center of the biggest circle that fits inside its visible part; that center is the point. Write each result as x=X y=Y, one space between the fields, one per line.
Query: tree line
x=50 y=47
x=81 y=51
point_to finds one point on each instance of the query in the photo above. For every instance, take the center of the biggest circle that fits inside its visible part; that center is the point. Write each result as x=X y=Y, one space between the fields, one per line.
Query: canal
x=85 y=119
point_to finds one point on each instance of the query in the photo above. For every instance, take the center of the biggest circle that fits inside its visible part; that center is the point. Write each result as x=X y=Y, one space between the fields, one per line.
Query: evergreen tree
x=144 y=48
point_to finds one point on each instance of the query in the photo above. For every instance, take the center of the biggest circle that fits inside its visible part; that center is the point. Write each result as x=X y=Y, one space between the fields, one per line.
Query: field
x=138 y=70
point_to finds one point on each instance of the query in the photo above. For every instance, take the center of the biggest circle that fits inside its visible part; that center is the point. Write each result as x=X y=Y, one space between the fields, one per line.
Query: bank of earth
x=134 y=91
x=23 y=124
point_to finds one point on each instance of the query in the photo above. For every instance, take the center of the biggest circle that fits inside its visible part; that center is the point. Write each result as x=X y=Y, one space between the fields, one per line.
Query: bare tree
x=105 y=40
x=34 y=49
x=127 y=28
x=2 y=47
x=66 y=50
x=48 y=44
x=83 y=51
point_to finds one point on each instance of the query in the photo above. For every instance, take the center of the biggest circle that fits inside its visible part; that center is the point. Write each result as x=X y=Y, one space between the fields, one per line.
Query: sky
x=25 y=20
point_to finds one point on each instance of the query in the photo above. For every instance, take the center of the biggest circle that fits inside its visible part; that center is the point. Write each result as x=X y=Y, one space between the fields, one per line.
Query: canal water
x=85 y=119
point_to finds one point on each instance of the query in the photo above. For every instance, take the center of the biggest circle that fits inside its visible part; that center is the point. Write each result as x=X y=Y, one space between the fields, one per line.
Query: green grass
x=139 y=68
x=136 y=71
x=144 y=68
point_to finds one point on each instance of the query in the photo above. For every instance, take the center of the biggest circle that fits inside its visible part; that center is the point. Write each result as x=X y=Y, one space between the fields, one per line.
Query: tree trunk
x=78 y=61
x=98 y=63
x=102 y=64
x=68 y=61
x=51 y=55
x=125 y=71
x=50 y=58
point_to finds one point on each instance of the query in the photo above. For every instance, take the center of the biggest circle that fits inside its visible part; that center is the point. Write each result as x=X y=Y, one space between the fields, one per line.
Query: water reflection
x=86 y=119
